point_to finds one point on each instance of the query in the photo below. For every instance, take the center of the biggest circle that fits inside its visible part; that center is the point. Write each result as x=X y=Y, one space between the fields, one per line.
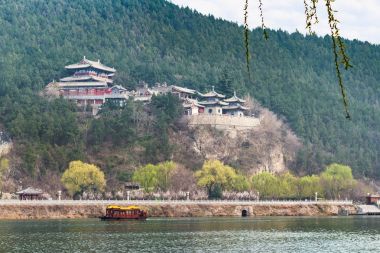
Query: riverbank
x=92 y=209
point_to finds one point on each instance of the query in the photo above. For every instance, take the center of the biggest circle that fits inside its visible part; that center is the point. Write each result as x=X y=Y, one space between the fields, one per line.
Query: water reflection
x=267 y=234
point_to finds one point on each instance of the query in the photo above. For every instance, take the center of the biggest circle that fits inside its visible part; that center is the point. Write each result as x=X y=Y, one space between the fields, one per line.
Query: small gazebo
x=30 y=193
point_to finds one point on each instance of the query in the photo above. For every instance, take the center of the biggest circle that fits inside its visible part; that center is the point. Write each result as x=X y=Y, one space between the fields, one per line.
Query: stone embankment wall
x=223 y=122
x=55 y=210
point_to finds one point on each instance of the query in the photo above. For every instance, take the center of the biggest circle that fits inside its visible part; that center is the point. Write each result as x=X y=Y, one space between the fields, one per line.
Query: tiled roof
x=29 y=190
x=84 y=78
x=182 y=89
x=119 y=87
x=234 y=99
x=190 y=102
x=234 y=107
x=212 y=94
x=85 y=63
x=209 y=103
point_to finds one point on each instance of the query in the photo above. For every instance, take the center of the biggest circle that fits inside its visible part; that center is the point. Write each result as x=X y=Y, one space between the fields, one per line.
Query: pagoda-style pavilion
x=30 y=194
x=90 y=84
x=235 y=106
x=213 y=102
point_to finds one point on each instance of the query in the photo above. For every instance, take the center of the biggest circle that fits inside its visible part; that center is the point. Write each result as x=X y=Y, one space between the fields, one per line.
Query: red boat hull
x=119 y=218
x=124 y=213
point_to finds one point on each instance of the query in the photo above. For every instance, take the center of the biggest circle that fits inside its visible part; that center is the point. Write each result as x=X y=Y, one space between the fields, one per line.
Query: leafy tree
x=216 y=177
x=240 y=183
x=309 y=185
x=337 y=180
x=266 y=184
x=81 y=177
x=4 y=166
x=146 y=176
x=225 y=84
x=288 y=185
x=164 y=172
x=167 y=109
x=154 y=177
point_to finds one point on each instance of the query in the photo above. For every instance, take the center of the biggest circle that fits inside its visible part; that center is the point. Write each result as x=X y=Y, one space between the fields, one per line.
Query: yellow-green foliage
x=164 y=171
x=215 y=173
x=288 y=185
x=4 y=165
x=153 y=177
x=240 y=183
x=309 y=185
x=266 y=184
x=80 y=177
x=336 y=180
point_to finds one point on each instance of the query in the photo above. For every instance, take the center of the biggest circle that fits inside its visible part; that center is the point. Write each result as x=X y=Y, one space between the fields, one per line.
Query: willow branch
x=265 y=32
x=246 y=38
x=339 y=53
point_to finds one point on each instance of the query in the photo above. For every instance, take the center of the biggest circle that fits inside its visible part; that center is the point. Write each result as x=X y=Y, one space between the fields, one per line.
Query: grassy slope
x=153 y=40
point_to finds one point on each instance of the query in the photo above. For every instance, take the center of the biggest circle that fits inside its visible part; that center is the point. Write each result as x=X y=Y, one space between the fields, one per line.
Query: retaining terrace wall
x=223 y=121
x=93 y=209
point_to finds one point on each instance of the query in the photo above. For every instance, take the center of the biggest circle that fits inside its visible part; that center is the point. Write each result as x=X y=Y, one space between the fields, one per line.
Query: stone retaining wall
x=59 y=211
x=223 y=121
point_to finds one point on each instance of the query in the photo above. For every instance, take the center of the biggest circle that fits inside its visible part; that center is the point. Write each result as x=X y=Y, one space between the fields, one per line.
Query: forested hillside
x=156 y=41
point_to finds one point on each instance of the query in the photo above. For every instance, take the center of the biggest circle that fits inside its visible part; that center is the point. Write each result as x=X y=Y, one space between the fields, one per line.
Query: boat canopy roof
x=124 y=208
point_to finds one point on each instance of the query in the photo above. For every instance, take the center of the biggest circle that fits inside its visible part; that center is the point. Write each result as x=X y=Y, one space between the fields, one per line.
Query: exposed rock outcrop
x=263 y=148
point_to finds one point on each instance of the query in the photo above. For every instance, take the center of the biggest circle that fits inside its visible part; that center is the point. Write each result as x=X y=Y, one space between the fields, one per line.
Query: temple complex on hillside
x=90 y=84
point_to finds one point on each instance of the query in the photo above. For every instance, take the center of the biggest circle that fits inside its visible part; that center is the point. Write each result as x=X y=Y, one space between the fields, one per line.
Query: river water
x=273 y=234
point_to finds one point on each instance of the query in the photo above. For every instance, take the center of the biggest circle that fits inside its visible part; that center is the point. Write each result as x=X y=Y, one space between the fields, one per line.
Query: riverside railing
x=175 y=202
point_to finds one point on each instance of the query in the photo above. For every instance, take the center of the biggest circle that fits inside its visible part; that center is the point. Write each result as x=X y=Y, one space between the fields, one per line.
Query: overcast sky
x=360 y=19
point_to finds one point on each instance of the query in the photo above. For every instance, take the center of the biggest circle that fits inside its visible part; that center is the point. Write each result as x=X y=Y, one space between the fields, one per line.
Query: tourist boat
x=124 y=213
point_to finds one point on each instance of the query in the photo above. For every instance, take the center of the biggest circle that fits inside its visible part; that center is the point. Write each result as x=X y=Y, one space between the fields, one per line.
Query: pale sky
x=359 y=19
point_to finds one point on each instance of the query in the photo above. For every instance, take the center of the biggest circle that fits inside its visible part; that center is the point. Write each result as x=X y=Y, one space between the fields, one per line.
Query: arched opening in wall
x=244 y=213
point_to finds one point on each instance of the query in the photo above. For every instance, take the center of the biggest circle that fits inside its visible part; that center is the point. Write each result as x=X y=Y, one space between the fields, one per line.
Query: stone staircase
x=368 y=210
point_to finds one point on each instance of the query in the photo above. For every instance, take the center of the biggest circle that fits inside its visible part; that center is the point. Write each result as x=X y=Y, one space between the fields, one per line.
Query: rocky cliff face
x=260 y=149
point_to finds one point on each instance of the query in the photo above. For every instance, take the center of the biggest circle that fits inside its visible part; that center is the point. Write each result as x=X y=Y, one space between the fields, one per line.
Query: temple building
x=213 y=102
x=144 y=93
x=90 y=84
x=30 y=193
x=235 y=106
x=192 y=107
x=216 y=104
x=182 y=93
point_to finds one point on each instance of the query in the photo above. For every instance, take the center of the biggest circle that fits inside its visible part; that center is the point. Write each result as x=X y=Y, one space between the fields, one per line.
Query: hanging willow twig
x=311 y=14
x=246 y=38
x=340 y=56
x=265 y=32
x=339 y=49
